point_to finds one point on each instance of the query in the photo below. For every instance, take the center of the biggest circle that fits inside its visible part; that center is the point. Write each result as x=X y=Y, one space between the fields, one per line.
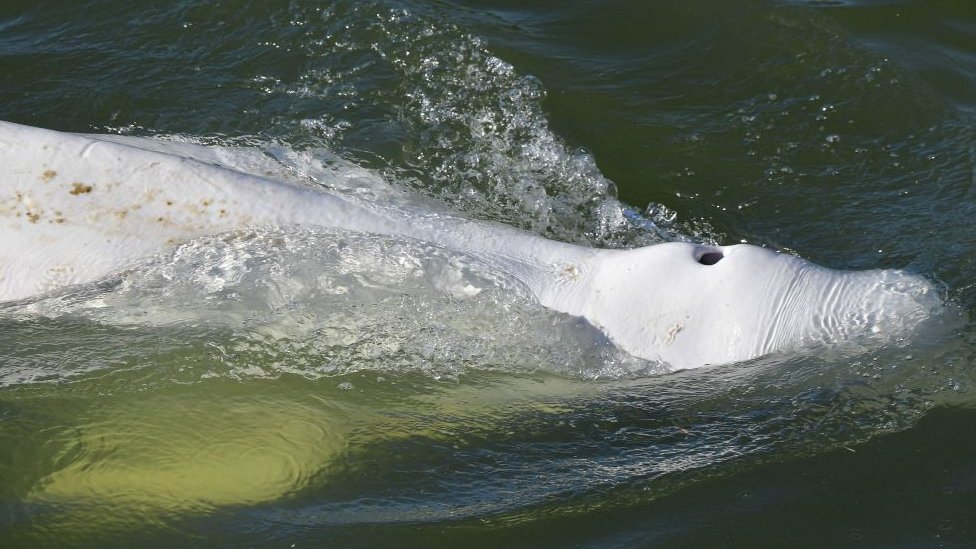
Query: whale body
x=74 y=208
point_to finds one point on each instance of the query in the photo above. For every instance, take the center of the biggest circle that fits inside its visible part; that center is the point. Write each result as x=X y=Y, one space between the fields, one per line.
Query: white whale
x=74 y=208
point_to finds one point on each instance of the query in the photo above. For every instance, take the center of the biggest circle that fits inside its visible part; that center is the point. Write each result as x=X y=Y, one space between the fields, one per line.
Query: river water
x=208 y=398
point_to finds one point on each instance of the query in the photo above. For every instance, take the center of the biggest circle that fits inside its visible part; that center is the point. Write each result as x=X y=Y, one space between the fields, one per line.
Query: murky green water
x=170 y=410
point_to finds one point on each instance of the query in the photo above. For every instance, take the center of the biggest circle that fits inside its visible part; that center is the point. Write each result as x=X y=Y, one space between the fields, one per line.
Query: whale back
x=73 y=207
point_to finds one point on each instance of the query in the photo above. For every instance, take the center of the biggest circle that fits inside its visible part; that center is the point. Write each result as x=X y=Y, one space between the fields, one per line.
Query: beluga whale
x=74 y=208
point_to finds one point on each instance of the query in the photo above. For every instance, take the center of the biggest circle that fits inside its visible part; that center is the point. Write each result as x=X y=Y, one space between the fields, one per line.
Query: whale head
x=691 y=305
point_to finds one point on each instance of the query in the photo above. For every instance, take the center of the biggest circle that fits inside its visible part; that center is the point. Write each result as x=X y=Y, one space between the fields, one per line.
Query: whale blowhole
x=710 y=258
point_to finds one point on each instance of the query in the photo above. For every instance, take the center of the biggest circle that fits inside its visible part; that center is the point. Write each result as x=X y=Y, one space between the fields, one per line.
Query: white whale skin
x=74 y=208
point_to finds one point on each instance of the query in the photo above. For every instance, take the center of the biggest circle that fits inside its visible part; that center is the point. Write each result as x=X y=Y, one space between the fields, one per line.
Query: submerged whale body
x=74 y=208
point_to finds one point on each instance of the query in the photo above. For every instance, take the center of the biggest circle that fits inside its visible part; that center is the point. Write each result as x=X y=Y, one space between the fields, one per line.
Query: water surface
x=297 y=387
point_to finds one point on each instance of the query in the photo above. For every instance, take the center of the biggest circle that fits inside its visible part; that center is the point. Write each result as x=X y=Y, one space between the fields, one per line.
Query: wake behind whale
x=76 y=208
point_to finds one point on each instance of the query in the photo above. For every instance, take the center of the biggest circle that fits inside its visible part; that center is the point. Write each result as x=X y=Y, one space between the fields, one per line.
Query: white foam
x=320 y=302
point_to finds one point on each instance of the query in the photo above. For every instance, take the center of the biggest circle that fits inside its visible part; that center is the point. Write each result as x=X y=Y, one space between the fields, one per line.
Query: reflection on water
x=129 y=452
x=148 y=457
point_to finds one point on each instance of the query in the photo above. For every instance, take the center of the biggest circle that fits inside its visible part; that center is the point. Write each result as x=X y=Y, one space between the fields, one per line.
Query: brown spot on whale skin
x=121 y=214
x=206 y=202
x=48 y=175
x=169 y=202
x=80 y=188
x=33 y=217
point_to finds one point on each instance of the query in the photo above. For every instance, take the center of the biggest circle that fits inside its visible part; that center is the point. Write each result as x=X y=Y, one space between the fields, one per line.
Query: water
x=208 y=397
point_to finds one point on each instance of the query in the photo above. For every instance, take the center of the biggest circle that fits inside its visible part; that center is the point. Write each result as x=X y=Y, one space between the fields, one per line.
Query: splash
x=463 y=125
x=321 y=302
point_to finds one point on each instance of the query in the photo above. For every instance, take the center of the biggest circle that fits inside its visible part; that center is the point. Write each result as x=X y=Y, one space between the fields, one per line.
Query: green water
x=177 y=413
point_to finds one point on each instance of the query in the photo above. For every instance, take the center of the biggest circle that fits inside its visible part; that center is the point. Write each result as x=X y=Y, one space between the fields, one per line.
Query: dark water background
x=840 y=131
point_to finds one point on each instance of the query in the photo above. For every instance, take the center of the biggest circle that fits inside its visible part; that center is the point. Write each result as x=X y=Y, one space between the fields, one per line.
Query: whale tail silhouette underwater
x=74 y=208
